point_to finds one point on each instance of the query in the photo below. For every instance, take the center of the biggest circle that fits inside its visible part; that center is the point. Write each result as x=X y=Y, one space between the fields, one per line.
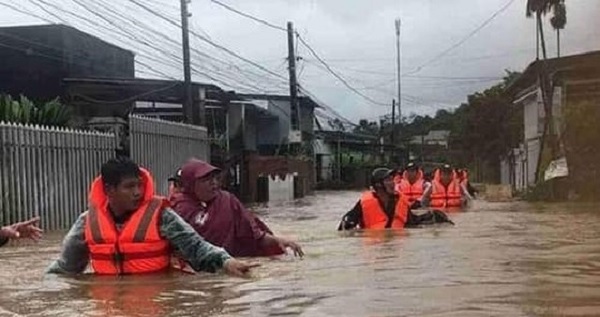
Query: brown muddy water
x=501 y=259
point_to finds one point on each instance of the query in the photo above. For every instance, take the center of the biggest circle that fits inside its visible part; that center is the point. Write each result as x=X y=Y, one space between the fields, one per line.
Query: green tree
x=367 y=127
x=24 y=111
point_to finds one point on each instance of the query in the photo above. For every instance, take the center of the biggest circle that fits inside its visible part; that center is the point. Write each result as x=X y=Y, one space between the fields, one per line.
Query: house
x=252 y=138
x=575 y=83
x=269 y=159
x=338 y=153
x=36 y=59
x=433 y=137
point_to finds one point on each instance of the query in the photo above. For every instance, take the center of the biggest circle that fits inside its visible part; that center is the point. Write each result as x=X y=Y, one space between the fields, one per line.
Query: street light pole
x=398 y=24
x=399 y=67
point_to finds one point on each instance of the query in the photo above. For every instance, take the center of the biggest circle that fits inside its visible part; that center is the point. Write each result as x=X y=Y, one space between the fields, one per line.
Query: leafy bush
x=23 y=110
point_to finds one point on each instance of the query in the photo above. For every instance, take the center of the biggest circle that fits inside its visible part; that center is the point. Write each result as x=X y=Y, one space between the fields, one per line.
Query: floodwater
x=500 y=259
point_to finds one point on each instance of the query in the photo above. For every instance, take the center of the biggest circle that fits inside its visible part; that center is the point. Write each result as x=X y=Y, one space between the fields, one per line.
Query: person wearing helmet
x=446 y=191
x=175 y=183
x=411 y=183
x=382 y=208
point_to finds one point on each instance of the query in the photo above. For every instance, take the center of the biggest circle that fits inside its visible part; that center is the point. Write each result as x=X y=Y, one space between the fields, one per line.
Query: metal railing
x=162 y=146
x=47 y=171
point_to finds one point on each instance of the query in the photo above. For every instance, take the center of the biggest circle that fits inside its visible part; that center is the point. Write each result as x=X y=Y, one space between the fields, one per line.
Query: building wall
x=268 y=132
x=282 y=110
x=43 y=55
x=250 y=130
x=533 y=114
x=325 y=159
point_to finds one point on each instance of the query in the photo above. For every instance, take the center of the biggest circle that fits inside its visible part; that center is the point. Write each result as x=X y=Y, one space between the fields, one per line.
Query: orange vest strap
x=142 y=229
x=95 y=225
x=130 y=256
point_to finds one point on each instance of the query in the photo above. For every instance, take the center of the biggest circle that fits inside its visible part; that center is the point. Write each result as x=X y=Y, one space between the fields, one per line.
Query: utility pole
x=393 y=144
x=399 y=68
x=294 y=104
x=188 y=103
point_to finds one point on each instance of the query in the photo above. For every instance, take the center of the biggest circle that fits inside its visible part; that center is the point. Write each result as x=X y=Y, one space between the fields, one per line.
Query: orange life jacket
x=411 y=191
x=445 y=197
x=374 y=217
x=138 y=246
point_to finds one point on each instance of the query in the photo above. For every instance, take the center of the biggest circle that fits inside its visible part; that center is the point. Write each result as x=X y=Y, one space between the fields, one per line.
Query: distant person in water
x=21 y=230
x=411 y=183
x=446 y=191
x=221 y=218
x=381 y=207
x=174 y=184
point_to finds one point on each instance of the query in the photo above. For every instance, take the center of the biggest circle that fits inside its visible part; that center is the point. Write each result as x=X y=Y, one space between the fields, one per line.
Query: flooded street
x=501 y=259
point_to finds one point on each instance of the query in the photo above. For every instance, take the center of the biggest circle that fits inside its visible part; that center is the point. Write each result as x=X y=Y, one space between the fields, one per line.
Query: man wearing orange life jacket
x=382 y=208
x=128 y=230
x=446 y=191
x=412 y=185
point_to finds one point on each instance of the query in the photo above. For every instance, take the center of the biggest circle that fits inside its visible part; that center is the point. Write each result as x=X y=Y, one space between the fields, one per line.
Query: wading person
x=21 y=230
x=129 y=230
x=382 y=208
x=446 y=191
x=174 y=184
x=221 y=218
x=411 y=184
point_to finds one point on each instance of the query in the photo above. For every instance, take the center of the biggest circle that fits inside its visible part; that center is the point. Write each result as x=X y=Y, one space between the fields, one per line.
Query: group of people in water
x=128 y=229
x=393 y=195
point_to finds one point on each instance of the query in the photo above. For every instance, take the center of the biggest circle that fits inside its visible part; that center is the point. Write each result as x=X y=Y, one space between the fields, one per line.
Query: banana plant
x=24 y=111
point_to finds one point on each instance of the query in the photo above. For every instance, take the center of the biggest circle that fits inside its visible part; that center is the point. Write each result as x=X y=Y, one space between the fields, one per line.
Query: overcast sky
x=355 y=37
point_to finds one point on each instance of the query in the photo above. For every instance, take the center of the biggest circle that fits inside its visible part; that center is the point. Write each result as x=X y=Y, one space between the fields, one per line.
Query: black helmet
x=381 y=173
x=446 y=168
x=411 y=166
x=175 y=177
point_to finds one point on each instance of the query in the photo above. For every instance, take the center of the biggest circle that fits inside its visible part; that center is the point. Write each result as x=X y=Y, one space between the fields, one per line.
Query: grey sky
x=356 y=37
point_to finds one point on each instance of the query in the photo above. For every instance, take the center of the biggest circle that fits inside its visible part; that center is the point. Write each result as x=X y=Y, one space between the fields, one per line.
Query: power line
x=204 y=39
x=463 y=40
x=26 y=13
x=271 y=25
x=336 y=75
x=300 y=39
x=135 y=38
x=129 y=99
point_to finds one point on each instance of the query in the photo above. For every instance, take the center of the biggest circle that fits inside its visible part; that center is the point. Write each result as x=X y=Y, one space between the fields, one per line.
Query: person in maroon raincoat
x=220 y=217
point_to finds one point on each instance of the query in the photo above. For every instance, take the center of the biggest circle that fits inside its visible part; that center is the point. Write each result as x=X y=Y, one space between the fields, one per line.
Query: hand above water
x=284 y=244
x=25 y=229
x=238 y=268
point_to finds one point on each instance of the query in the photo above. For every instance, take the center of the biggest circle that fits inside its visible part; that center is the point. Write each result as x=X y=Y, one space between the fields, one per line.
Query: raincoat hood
x=193 y=170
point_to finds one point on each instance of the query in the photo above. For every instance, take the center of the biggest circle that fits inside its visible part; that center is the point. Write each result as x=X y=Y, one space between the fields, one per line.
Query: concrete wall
x=281 y=189
x=269 y=132
x=46 y=54
x=282 y=110
x=325 y=159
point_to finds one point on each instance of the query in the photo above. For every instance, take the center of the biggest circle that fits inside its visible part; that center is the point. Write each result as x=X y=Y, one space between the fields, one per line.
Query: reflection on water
x=508 y=259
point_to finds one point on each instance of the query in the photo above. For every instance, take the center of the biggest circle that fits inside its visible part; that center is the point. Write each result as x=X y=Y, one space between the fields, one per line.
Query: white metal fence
x=47 y=171
x=162 y=146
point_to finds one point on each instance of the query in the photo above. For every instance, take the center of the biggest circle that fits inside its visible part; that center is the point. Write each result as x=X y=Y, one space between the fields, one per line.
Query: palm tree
x=540 y=8
x=558 y=22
